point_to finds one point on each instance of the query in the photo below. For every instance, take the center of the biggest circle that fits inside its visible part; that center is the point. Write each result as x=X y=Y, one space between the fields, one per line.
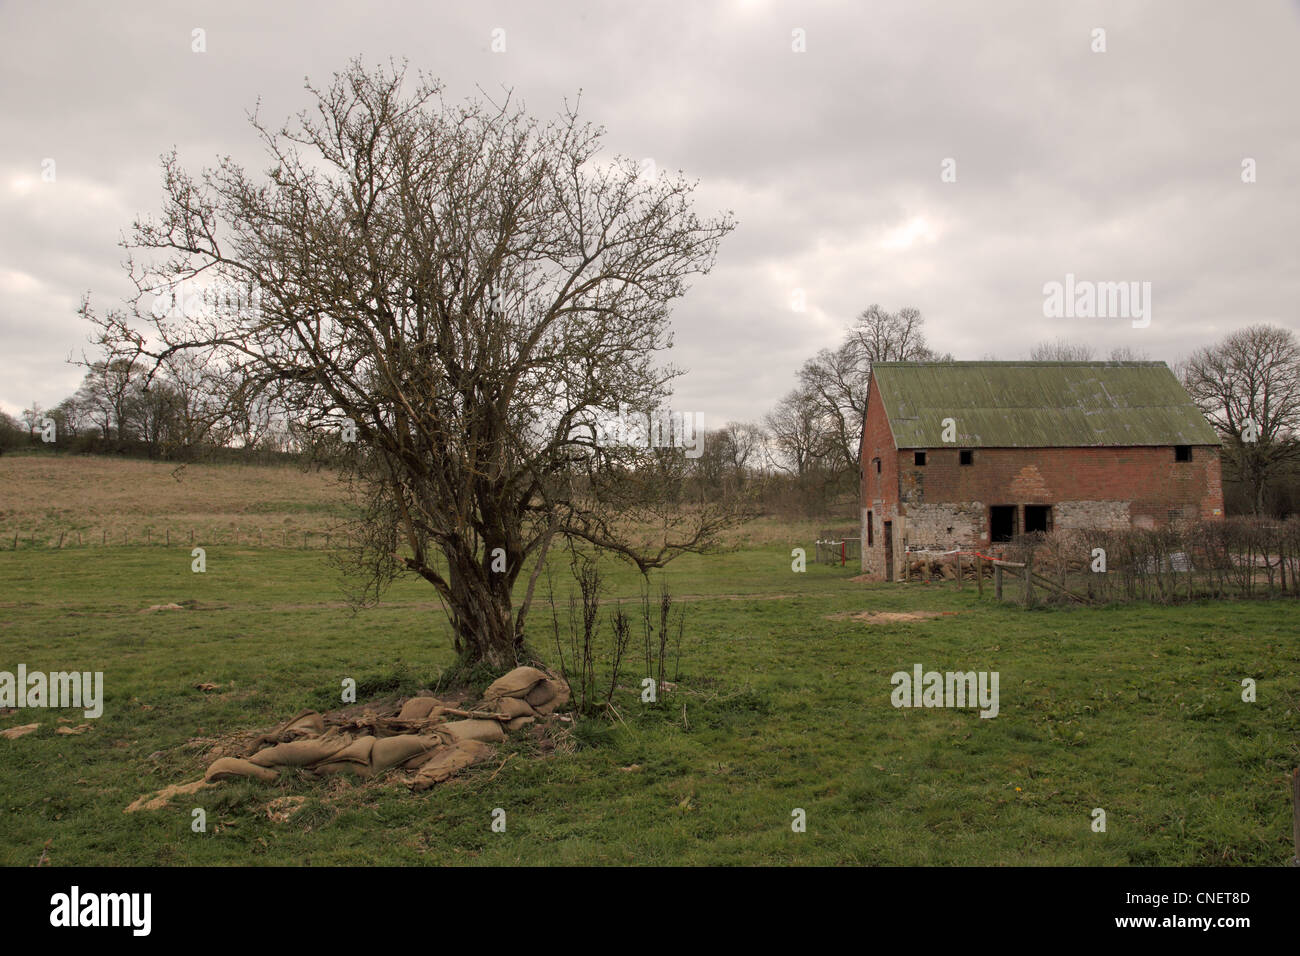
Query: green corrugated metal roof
x=1039 y=404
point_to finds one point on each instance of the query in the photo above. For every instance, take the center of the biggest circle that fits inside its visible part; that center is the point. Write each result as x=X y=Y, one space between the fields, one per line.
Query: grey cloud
x=1114 y=166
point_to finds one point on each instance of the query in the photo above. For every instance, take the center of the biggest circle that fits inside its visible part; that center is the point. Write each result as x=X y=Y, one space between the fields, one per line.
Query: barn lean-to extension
x=962 y=455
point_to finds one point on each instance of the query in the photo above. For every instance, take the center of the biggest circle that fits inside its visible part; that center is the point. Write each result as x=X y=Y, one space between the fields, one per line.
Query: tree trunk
x=482 y=612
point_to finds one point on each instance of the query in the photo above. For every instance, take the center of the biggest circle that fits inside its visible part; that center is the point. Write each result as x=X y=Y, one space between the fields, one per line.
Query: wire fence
x=280 y=538
x=1231 y=558
x=842 y=548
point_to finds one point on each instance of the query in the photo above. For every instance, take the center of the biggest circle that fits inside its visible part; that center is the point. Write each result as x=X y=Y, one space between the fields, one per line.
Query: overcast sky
x=1122 y=165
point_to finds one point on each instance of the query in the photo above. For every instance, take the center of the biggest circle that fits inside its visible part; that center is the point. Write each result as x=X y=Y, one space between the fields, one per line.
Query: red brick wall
x=1149 y=479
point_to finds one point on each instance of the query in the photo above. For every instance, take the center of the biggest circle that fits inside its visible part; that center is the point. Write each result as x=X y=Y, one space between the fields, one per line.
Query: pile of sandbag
x=426 y=736
x=525 y=694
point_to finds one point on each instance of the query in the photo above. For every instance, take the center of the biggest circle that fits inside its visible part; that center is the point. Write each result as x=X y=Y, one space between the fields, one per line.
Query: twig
x=498 y=769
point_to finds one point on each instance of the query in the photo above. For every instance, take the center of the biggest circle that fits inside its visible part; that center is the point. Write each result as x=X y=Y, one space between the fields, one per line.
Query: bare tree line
x=800 y=458
x=178 y=413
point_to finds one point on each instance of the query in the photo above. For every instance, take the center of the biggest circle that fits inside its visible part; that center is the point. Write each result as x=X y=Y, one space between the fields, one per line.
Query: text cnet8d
x=1164 y=899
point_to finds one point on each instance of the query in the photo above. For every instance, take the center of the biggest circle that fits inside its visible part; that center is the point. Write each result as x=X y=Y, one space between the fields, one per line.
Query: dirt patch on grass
x=889 y=617
x=734 y=597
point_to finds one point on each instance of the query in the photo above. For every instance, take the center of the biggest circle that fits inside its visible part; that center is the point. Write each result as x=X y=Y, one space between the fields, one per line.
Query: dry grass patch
x=49 y=494
x=889 y=617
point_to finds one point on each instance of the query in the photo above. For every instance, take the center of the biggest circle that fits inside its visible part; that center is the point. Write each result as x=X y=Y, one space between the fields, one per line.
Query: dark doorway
x=1038 y=518
x=1002 y=522
x=871 y=536
x=889 y=550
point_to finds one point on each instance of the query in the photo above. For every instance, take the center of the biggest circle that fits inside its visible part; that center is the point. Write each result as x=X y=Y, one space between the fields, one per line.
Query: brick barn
x=968 y=454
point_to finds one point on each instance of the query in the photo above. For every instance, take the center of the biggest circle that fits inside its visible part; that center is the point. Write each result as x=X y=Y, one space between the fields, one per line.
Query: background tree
x=32 y=418
x=473 y=291
x=1251 y=382
x=818 y=428
x=729 y=457
x=798 y=442
x=1060 y=351
x=892 y=336
x=836 y=380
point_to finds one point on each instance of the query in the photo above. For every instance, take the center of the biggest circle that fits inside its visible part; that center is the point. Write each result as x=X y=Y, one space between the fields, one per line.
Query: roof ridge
x=1094 y=363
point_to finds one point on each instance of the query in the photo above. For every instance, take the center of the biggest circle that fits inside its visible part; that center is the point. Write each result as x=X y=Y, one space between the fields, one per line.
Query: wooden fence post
x=1029 y=584
x=997 y=581
x=979 y=574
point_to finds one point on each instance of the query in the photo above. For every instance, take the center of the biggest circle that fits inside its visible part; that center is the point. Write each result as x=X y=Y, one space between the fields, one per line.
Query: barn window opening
x=1002 y=522
x=871 y=535
x=966 y=457
x=1038 y=518
x=919 y=458
x=1182 y=453
x=877 y=464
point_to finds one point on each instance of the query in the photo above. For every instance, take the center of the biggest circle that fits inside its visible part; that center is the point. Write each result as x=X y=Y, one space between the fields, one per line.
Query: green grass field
x=780 y=705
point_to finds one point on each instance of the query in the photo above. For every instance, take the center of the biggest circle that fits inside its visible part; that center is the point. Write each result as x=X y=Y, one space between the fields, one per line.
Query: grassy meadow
x=782 y=702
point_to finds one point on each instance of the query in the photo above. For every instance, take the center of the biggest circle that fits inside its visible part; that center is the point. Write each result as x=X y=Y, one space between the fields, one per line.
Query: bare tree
x=1248 y=386
x=743 y=442
x=730 y=454
x=198 y=410
x=1126 y=353
x=892 y=336
x=1060 y=351
x=837 y=381
x=474 y=292
x=106 y=391
x=795 y=428
x=32 y=418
